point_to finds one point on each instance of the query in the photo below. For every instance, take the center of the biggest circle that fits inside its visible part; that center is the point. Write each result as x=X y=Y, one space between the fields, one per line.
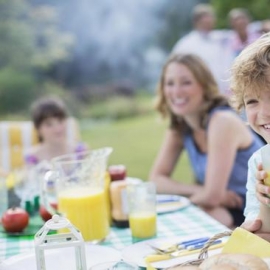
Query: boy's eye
x=251 y=101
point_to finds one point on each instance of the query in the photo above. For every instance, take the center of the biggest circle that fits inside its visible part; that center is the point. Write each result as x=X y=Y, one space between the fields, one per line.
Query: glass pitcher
x=75 y=185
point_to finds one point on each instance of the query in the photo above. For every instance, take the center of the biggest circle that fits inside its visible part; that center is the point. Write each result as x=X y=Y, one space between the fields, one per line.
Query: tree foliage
x=30 y=45
x=259 y=9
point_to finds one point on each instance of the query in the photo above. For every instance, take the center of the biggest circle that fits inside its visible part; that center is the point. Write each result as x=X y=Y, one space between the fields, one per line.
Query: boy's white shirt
x=252 y=208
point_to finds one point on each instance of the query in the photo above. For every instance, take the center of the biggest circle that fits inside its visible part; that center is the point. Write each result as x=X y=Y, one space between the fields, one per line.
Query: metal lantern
x=74 y=239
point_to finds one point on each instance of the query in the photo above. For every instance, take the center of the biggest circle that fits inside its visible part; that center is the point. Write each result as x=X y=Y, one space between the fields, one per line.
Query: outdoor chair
x=16 y=137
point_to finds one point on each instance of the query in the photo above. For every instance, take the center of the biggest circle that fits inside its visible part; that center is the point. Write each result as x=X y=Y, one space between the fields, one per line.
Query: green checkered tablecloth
x=185 y=222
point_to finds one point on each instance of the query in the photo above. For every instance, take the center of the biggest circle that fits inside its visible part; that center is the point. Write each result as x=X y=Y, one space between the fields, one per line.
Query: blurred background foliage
x=259 y=10
x=88 y=52
x=103 y=58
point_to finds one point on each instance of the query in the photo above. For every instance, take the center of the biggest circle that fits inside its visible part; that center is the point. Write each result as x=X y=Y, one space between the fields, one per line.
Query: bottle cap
x=117 y=172
x=28 y=207
x=36 y=203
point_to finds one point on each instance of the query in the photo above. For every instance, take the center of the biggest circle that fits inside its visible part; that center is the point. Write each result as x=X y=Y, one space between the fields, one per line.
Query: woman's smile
x=183 y=92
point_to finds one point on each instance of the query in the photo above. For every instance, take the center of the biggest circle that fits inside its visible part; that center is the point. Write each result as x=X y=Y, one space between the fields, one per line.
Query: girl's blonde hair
x=204 y=77
x=251 y=70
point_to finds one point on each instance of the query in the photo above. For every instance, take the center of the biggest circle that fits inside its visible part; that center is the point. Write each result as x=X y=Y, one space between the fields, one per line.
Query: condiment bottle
x=118 y=194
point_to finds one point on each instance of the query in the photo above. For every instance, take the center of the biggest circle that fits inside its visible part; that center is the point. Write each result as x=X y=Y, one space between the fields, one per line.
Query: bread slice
x=233 y=262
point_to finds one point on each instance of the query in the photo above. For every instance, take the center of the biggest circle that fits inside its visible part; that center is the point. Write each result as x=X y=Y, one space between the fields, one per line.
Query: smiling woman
x=184 y=103
x=217 y=141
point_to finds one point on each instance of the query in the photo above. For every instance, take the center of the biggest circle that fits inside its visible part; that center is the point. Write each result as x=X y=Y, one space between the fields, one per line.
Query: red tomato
x=45 y=215
x=54 y=205
x=15 y=219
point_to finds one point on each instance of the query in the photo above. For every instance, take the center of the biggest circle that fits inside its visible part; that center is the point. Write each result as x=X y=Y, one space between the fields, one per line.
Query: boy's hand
x=254 y=226
x=261 y=189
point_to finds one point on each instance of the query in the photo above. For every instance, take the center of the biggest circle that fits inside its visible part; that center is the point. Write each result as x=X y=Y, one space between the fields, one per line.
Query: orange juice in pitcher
x=86 y=209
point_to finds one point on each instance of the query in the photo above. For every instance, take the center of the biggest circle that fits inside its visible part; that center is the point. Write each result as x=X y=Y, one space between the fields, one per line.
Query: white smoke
x=119 y=34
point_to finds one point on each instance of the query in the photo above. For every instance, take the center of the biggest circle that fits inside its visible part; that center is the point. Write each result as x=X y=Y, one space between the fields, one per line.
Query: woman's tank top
x=238 y=177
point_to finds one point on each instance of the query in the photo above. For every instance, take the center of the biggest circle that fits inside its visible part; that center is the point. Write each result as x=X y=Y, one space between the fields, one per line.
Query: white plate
x=168 y=203
x=138 y=251
x=62 y=258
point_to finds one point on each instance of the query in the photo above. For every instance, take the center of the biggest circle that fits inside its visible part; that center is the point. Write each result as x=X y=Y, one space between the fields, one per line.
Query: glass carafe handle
x=49 y=191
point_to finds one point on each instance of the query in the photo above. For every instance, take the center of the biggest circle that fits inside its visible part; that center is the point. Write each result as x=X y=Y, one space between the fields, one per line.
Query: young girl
x=251 y=89
x=217 y=141
x=50 y=116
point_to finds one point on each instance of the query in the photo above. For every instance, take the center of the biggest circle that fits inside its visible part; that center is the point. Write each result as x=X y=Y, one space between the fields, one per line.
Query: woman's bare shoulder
x=225 y=119
x=227 y=125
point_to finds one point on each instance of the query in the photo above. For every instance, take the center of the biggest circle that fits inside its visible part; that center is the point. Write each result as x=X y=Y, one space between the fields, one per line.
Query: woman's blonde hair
x=251 y=70
x=204 y=77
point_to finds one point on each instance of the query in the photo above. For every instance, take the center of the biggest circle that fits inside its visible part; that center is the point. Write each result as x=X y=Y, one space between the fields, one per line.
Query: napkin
x=242 y=241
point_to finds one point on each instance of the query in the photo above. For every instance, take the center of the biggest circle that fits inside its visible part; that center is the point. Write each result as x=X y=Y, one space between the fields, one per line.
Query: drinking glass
x=142 y=210
x=265 y=155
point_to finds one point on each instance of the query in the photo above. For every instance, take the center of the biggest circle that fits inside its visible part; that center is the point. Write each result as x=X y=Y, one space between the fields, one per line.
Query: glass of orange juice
x=265 y=155
x=142 y=211
x=77 y=185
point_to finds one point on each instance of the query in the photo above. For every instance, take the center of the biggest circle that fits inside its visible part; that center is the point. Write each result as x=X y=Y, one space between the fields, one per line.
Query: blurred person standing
x=242 y=35
x=207 y=43
x=265 y=27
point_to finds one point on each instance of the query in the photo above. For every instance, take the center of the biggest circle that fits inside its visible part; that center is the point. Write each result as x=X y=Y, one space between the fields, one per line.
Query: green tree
x=50 y=45
x=259 y=9
x=30 y=45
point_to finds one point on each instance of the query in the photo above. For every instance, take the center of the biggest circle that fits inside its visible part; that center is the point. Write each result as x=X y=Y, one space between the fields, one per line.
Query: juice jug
x=76 y=184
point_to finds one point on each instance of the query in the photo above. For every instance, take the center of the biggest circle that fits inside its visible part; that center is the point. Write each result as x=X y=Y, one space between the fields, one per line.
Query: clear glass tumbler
x=142 y=211
x=265 y=155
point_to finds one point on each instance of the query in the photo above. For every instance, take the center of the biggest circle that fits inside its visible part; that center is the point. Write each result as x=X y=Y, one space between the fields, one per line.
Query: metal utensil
x=179 y=246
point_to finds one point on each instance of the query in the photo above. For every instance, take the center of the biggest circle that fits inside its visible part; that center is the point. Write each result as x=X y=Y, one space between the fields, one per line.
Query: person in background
x=207 y=43
x=239 y=19
x=217 y=141
x=242 y=35
x=49 y=116
x=250 y=84
x=265 y=28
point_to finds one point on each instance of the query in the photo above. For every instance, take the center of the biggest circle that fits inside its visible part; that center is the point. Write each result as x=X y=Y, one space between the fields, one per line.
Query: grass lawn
x=136 y=142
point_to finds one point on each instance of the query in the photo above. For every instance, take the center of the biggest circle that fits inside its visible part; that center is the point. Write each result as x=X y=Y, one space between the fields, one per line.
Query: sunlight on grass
x=136 y=142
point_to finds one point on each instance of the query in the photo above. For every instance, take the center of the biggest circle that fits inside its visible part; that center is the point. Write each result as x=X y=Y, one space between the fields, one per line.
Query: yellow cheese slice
x=242 y=241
